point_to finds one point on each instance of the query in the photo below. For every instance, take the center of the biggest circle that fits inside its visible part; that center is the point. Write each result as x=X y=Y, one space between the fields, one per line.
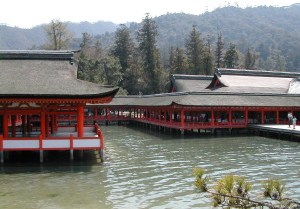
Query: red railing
x=101 y=137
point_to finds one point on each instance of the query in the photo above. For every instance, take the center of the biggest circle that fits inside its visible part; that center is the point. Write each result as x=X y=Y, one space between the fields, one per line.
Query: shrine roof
x=40 y=74
x=206 y=99
x=238 y=81
x=185 y=83
x=252 y=81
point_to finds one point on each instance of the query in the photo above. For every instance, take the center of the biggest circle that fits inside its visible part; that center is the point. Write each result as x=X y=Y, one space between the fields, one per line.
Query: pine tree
x=249 y=60
x=150 y=55
x=207 y=59
x=123 y=50
x=194 y=50
x=178 y=63
x=231 y=57
x=219 y=51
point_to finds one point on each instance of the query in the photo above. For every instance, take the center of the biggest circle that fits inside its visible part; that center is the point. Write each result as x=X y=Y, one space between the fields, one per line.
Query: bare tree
x=58 y=35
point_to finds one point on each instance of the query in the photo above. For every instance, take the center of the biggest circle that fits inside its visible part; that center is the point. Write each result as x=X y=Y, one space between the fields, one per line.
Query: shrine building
x=38 y=88
x=230 y=99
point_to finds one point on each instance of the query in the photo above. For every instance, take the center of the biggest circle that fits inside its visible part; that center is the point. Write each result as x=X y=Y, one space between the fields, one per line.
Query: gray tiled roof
x=186 y=83
x=44 y=74
x=241 y=88
x=254 y=81
x=210 y=99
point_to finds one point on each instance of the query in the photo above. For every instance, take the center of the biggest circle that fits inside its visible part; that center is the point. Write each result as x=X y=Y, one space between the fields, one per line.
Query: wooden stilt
x=2 y=157
x=41 y=156
x=71 y=155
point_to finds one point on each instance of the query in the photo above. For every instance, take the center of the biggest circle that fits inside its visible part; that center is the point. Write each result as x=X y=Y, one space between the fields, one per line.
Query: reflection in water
x=148 y=170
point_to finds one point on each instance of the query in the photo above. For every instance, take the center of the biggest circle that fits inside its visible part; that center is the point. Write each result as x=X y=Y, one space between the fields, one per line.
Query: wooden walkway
x=278 y=131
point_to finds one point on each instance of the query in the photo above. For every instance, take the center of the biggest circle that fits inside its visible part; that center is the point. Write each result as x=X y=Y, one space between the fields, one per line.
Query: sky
x=29 y=13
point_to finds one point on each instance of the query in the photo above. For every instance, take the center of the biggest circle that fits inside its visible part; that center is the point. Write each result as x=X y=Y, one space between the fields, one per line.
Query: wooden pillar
x=277 y=117
x=13 y=124
x=246 y=116
x=46 y=125
x=28 y=124
x=212 y=118
x=1 y=149
x=80 y=121
x=43 y=124
x=262 y=117
x=52 y=123
x=71 y=147
x=41 y=148
x=23 y=124
x=5 y=126
x=230 y=117
x=182 y=118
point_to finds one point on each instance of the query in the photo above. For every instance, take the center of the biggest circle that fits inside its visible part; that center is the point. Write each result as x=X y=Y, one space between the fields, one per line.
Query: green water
x=148 y=170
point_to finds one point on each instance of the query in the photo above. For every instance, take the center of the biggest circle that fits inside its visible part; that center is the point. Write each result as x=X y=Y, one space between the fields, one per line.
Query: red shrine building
x=230 y=99
x=38 y=91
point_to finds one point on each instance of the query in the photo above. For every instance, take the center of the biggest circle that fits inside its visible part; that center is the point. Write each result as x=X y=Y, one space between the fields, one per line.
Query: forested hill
x=18 y=38
x=270 y=31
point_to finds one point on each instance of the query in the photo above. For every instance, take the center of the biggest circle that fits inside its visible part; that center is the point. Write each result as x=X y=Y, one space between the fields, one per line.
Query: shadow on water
x=54 y=161
x=176 y=134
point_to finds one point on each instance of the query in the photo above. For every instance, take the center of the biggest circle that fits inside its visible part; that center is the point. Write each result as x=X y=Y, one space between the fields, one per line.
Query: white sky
x=29 y=13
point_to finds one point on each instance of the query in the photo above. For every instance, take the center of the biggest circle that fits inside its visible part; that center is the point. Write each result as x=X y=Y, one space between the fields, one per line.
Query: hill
x=273 y=32
x=18 y=38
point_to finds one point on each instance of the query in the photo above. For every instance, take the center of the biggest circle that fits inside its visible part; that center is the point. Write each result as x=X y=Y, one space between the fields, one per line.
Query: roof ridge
x=37 y=54
x=264 y=73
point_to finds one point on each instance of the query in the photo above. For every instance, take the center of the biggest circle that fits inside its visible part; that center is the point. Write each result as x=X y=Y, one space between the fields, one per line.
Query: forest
x=139 y=57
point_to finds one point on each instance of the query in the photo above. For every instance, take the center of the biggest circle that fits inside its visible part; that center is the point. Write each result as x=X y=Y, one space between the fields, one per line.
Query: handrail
x=101 y=137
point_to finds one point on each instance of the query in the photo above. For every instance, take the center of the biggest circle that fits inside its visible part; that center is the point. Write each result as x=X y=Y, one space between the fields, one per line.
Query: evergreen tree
x=146 y=38
x=231 y=57
x=178 y=63
x=123 y=49
x=249 y=60
x=219 y=51
x=194 y=50
x=207 y=59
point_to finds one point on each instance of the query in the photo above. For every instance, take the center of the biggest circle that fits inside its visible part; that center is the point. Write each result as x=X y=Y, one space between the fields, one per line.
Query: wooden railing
x=101 y=137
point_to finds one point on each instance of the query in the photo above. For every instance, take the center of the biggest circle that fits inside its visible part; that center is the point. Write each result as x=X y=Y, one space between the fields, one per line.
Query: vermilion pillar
x=5 y=126
x=277 y=117
x=230 y=117
x=80 y=121
x=246 y=116
x=43 y=124
x=182 y=118
x=13 y=124
x=212 y=118
x=47 y=125
x=262 y=117
x=23 y=124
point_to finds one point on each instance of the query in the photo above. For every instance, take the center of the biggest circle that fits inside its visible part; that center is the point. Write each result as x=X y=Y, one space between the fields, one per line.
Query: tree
x=178 y=63
x=219 y=51
x=146 y=38
x=231 y=57
x=123 y=50
x=234 y=192
x=249 y=60
x=207 y=59
x=58 y=35
x=194 y=52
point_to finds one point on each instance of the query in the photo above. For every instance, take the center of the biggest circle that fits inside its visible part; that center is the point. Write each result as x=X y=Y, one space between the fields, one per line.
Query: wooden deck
x=278 y=131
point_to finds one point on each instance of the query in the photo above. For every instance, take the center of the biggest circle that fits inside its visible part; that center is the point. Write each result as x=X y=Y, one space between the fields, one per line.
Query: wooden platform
x=278 y=131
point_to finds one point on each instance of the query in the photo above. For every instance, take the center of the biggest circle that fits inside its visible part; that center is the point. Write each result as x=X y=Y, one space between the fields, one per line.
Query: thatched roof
x=48 y=74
